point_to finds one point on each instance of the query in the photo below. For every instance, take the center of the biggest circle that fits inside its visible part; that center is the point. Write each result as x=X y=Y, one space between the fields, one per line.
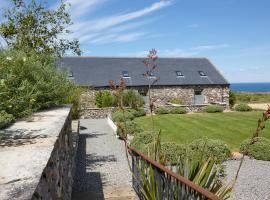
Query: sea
x=250 y=87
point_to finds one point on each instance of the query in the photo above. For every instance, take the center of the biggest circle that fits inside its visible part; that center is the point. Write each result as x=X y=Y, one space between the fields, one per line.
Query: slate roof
x=97 y=71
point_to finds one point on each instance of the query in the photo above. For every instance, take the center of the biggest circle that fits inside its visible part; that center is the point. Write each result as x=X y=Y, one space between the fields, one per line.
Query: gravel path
x=254 y=179
x=101 y=160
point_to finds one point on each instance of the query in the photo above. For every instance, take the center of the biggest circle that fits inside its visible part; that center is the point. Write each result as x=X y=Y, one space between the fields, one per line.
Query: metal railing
x=164 y=184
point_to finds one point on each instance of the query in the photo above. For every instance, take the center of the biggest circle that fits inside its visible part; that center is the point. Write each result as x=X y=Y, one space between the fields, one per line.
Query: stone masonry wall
x=212 y=94
x=96 y=113
x=161 y=95
x=57 y=177
x=37 y=157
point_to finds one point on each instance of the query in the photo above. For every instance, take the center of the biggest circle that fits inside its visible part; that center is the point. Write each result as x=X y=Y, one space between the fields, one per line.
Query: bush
x=5 y=119
x=232 y=98
x=210 y=148
x=105 y=99
x=131 y=98
x=142 y=140
x=119 y=116
x=75 y=100
x=131 y=128
x=243 y=107
x=213 y=109
x=259 y=150
x=137 y=112
x=178 y=111
x=161 y=111
x=173 y=151
x=177 y=101
x=30 y=82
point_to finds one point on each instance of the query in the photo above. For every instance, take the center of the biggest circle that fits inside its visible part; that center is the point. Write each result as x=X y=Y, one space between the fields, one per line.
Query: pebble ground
x=254 y=179
x=101 y=160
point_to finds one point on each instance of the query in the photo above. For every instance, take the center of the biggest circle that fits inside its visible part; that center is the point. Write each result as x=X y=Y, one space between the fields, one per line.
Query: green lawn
x=231 y=127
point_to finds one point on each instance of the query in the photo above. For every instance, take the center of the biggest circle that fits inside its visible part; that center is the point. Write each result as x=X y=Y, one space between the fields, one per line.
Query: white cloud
x=110 y=38
x=108 y=22
x=81 y=7
x=177 y=52
x=210 y=47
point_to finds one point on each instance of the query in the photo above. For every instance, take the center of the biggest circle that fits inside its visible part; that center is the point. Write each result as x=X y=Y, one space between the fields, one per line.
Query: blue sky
x=233 y=34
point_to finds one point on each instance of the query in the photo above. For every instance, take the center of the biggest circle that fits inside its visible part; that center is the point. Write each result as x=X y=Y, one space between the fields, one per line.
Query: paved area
x=102 y=170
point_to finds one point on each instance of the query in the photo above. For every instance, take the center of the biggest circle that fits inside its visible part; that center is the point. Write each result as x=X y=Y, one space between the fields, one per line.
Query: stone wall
x=212 y=94
x=162 y=96
x=37 y=158
x=96 y=113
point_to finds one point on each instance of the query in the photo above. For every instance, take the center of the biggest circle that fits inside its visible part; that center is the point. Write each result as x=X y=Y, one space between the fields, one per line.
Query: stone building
x=195 y=81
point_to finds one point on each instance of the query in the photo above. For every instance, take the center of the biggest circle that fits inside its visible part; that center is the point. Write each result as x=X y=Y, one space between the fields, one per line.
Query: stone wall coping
x=107 y=108
x=22 y=164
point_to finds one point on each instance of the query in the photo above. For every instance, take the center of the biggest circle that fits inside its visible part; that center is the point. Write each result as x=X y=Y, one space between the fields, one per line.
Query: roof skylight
x=202 y=73
x=125 y=74
x=179 y=74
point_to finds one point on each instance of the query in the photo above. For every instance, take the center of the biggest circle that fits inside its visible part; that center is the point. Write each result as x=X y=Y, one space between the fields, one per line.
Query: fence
x=163 y=183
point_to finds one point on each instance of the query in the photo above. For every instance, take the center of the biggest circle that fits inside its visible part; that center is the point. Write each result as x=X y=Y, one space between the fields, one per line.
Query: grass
x=231 y=127
x=248 y=97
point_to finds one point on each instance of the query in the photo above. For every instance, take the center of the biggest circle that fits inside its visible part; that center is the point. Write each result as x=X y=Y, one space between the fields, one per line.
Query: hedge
x=213 y=109
x=173 y=151
x=5 y=119
x=211 y=148
x=161 y=111
x=259 y=150
x=139 y=112
x=243 y=107
x=178 y=111
x=119 y=116
x=142 y=140
x=131 y=128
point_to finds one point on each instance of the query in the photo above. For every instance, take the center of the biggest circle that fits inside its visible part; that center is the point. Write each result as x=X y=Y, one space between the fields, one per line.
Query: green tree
x=33 y=26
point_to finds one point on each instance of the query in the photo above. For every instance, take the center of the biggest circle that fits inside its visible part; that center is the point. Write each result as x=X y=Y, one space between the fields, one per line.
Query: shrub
x=161 y=111
x=173 y=151
x=259 y=150
x=142 y=140
x=5 y=119
x=243 y=107
x=177 y=101
x=98 y=99
x=119 y=116
x=30 y=82
x=105 y=99
x=210 y=148
x=75 y=100
x=178 y=111
x=131 y=98
x=137 y=112
x=232 y=98
x=213 y=109
x=131 y=128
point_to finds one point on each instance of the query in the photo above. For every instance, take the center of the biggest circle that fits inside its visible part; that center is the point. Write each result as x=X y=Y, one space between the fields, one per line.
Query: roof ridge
x=132 y=57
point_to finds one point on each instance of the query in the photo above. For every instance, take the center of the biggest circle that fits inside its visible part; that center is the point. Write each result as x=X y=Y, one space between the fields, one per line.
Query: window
x=70 y=74
x=125 y=74
x=202 y=73
x=179 y=74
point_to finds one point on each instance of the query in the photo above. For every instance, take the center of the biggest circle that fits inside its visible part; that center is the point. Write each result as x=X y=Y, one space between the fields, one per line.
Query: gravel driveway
x=254 y=179
x=101 y=161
